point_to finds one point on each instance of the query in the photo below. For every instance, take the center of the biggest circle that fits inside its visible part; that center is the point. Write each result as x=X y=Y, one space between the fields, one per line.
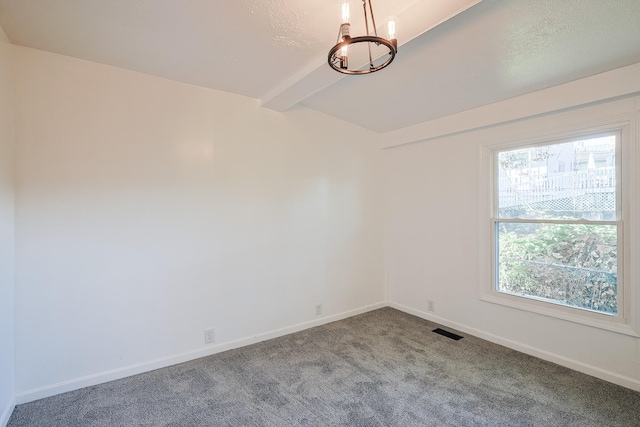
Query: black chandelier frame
x=340 y=63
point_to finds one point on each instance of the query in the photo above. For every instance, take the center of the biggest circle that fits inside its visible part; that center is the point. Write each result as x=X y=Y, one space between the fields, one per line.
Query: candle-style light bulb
x=391 y=27
x=345 y=28
x=345 y=11
x=391 y=31
x=344 y=58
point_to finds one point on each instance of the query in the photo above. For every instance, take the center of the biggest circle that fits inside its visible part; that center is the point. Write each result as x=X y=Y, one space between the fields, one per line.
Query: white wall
x=434 y=238
x=6 y=233
x=149 y=210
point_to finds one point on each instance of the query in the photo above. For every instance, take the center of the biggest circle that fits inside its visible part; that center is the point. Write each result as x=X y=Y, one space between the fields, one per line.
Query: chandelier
x=378 y=52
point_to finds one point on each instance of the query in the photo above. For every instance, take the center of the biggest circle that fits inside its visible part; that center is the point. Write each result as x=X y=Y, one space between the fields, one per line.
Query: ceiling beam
x=416 y=20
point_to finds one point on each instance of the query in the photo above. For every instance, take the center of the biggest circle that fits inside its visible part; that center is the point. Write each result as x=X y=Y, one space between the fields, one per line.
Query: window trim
x=627 y=321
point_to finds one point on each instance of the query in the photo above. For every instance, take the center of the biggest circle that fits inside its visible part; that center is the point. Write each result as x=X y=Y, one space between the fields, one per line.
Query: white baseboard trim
x=609 y=376
x=127 y=371
x=115 y=374
x=7 y=411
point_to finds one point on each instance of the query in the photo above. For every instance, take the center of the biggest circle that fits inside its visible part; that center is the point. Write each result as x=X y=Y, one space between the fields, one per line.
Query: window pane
x=570 y=264
x=574 y=179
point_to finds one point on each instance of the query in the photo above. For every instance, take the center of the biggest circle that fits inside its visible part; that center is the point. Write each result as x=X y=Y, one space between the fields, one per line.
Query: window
x=557 y=233
x=564 y=241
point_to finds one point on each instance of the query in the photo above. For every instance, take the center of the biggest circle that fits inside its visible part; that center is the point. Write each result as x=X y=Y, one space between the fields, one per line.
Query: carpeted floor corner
x=382 y=368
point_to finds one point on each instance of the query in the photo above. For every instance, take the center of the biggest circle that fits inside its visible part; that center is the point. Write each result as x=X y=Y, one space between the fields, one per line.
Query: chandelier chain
x=366 y=24
x=373 y=18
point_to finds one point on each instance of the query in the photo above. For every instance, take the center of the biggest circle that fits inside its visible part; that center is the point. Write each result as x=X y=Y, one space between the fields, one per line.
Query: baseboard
x=7 y=411
x=609 y=376
x=103 y=377
x=127 y=371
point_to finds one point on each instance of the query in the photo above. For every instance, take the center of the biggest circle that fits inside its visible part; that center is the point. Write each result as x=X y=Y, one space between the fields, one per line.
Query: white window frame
x=627 y=320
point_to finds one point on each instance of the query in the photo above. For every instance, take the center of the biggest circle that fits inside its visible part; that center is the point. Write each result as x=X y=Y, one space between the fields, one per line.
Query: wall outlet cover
x=431 y=306
x=209 y=336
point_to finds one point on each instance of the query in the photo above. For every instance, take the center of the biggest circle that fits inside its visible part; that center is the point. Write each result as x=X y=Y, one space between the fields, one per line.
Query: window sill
x=575 y=315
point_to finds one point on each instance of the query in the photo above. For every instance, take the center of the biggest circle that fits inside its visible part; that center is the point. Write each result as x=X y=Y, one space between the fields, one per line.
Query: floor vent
x=447 y=334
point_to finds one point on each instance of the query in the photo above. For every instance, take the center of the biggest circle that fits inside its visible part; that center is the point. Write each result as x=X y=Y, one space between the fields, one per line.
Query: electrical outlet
x=209 y=336
x=431 y=306
x=318 y=309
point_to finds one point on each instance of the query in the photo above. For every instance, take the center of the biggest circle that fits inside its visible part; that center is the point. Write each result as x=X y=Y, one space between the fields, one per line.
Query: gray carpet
x=383 y=368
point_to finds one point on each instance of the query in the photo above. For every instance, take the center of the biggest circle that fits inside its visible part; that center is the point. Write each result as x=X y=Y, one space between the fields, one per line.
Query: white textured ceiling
x=275 y=50
x=494 y=51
